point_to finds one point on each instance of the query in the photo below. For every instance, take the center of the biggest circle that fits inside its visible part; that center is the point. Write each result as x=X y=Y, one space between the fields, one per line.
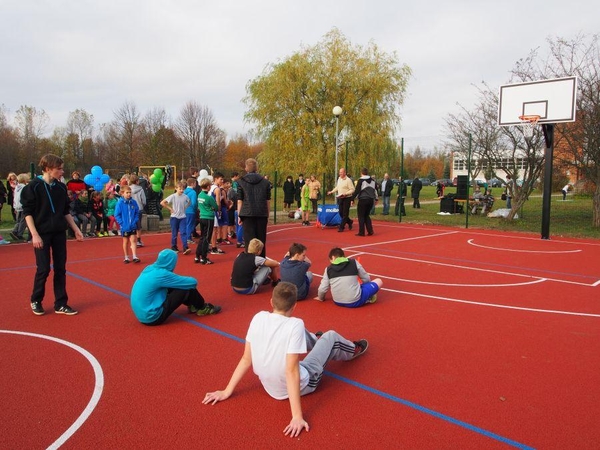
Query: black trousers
x=363 y=211
x=55 y=249
x=176 y=298
x=255 y=227
x=344 y=207
x=206 y=231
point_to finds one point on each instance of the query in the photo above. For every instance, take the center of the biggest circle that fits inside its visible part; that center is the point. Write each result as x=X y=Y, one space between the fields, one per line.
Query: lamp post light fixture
x=337 y=110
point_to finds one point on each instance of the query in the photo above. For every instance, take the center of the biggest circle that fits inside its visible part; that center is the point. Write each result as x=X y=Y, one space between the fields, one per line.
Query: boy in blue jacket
x=126 y=215
x=158 y=292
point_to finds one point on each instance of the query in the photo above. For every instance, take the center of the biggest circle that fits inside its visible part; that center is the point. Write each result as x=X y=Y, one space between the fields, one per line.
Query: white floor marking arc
x=478 y=269
x=504 y=249
x=493 y=305
x=98 y=387
x=437 y=283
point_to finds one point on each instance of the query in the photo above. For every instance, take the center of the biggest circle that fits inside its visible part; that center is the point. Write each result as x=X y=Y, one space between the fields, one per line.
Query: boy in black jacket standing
x=46 y=210
x=366 y=191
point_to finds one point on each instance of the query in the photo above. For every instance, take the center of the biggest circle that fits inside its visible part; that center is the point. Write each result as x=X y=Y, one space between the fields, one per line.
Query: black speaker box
x=462 y=184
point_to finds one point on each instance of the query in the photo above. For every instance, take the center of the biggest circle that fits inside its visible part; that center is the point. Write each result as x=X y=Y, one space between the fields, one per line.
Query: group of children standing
x=209 y=204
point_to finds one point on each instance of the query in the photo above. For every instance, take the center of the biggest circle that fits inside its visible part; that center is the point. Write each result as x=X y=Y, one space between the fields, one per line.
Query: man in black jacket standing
x=415 y=191
x=254 y=195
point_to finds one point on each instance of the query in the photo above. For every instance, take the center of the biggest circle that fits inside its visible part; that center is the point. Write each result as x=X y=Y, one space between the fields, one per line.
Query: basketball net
x=528 y=123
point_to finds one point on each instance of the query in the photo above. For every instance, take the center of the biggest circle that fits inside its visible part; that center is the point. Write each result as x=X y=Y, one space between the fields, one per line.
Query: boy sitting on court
x=250 y=270
x=294 y=269
x=341 y=275
x=274 y=343
x=158 y=292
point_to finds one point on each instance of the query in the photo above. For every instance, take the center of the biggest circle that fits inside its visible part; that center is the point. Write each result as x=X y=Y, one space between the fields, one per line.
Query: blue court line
x=364 y=387
x=385 y=395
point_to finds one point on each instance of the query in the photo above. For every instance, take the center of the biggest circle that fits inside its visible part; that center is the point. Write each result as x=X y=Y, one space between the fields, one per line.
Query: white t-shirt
x=272 y=336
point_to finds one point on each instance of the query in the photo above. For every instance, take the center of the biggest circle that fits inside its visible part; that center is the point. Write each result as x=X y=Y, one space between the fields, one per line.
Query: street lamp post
x=337 y=110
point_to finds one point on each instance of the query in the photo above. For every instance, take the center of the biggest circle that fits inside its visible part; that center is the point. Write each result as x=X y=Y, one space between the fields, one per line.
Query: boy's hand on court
x=78 y=235
x=214 y=397
x=295 y=427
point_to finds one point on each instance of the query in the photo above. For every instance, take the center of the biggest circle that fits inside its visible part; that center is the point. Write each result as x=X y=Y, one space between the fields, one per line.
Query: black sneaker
x=139 y=243
x=242 y=245
x=360 y=347
x=187 y=251
x=136 y=260
x=175 y=249
x=209 y=309
x=126 y=261
x=36 y=308
x=206 y=262
x=67 y=310
x=276 y=282
x=216 y=251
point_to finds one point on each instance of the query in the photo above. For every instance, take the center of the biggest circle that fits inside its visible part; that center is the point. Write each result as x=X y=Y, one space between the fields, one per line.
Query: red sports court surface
x=478 y=340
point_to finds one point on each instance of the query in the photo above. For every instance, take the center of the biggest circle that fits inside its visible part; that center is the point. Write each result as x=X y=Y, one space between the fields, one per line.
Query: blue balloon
x=97 y=179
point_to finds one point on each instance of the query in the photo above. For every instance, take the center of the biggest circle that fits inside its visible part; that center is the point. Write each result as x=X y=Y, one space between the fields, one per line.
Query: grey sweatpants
x=330 y=345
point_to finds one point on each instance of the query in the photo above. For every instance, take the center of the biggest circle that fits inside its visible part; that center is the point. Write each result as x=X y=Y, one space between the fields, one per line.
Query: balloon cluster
x=156 y=180
x=97 y=178
x=203 y=174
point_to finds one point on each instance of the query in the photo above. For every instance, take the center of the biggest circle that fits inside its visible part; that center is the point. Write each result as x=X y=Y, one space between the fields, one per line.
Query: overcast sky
x=96 y=55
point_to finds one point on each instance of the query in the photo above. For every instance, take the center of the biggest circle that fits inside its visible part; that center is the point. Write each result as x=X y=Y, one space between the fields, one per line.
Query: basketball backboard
x=553 y=100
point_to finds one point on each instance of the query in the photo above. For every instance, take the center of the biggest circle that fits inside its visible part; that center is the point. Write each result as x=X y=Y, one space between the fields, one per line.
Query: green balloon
x=158 y=172
x=156 y=187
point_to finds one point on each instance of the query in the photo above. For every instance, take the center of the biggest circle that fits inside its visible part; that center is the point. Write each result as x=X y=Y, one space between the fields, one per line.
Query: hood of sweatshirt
x=253 y=178
x=167 y=259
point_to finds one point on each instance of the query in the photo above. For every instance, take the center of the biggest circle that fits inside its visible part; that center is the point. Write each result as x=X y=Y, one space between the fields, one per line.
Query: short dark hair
x=218 y=175
x=336 y=252
x=296 y=249
x=364 y=171
x=285 y=296
x=50 y=161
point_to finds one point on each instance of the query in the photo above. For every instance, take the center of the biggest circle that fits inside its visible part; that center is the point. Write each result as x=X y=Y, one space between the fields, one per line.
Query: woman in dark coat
x=298 y=185
x=288 y=192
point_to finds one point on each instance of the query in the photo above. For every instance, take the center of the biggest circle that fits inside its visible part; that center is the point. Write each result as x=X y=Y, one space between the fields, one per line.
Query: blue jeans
x=386 y=204
x=178 y=226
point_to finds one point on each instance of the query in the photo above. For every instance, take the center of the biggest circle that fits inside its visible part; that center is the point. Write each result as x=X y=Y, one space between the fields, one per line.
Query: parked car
x=443 y=181
x=425 y=181
x=495 y=182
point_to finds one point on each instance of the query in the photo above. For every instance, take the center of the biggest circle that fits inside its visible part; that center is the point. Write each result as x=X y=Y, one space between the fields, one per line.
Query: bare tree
x=579 y=57
x=126 y=133
x=204 y=141
x=494 y=147
x=30 y=125
x=80 y=127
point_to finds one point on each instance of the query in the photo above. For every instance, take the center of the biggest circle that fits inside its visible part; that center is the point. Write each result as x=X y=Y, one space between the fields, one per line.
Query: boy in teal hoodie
x=158 y=292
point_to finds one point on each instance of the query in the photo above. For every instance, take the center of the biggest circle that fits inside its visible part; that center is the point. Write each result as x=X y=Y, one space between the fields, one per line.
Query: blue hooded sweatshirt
x=150 y=289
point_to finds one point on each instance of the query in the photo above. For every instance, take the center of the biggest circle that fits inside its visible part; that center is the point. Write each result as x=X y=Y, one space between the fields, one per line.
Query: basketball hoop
x=528 y=123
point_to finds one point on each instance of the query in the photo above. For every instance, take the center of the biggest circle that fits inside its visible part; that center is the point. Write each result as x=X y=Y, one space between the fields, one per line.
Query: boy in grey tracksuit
x=342 y=277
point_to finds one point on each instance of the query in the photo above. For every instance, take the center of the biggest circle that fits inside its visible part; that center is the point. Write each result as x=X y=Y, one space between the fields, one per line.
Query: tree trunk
x=596 y=206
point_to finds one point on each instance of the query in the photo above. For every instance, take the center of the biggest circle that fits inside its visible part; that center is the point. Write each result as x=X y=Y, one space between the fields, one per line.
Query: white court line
x=437 y=283
x=470 y=241
x=98 y=387
x=493 y=305
x=479 y=269
x=371 y=244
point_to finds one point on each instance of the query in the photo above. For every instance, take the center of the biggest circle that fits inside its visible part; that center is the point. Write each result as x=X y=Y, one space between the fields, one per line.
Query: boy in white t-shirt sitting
x=274 y=343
